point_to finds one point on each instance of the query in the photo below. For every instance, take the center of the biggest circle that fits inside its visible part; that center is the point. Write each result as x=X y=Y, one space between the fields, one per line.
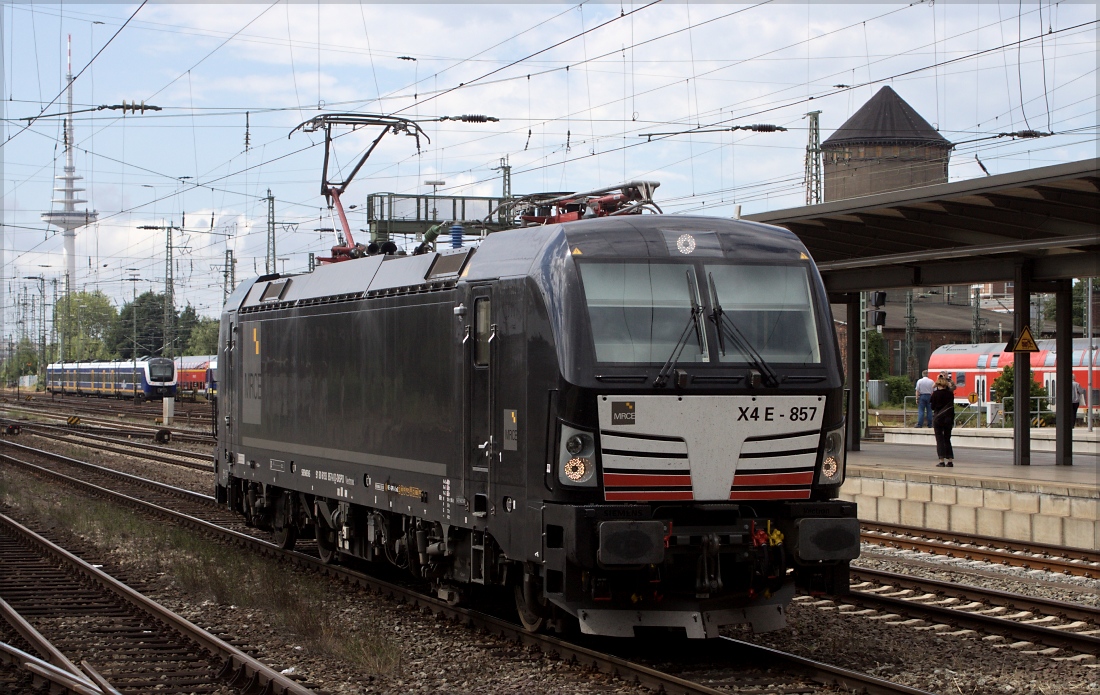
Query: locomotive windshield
x=639 y=310
x=772 y=307
x=160 y=371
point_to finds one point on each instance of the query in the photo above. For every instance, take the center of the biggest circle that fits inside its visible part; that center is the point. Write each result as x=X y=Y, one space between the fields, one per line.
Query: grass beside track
x=207 y=570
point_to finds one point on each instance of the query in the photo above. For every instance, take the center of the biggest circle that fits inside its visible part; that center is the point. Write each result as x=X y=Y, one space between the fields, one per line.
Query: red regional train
x=974 y=367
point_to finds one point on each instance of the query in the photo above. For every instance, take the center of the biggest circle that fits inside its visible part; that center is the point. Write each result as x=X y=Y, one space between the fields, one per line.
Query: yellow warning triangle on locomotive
x=1025 y=343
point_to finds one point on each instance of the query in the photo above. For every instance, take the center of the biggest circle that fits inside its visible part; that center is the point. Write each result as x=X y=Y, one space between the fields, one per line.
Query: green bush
x=898 y=387
x=1004 y=384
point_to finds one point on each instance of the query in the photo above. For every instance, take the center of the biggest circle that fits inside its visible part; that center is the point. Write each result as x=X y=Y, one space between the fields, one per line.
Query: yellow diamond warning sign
x=1025 y=343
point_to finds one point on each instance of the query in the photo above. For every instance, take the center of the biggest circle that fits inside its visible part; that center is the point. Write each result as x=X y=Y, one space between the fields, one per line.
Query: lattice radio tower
x=813 y=160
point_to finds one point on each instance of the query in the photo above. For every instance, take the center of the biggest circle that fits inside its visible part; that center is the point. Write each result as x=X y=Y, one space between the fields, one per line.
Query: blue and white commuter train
x=148 y=379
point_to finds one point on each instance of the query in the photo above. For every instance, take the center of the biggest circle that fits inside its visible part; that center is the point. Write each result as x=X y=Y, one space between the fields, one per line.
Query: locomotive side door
x=481 y=440
x=227 y=381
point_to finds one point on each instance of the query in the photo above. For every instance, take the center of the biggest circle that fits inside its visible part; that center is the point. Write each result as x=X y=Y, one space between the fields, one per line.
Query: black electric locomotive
x=631 y=422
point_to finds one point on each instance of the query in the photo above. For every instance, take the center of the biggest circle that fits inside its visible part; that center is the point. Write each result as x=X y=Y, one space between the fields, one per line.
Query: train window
x=772 y=307
x=960 y=378
x=638 y=311
x=482 y=308
x=983 y=360
x=996 y=359
x=160 y=371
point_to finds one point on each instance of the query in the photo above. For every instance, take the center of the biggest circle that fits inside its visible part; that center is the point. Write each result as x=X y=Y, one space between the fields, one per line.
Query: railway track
x=67 y=611
x=178 y=434
x=151 y=452
x=196 y=415
x=1035 y=625
x=199 y=512
x=1036 y=556
x=107 y=403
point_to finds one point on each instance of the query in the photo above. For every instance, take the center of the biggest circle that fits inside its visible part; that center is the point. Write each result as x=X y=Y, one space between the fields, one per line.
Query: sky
x=577 y=90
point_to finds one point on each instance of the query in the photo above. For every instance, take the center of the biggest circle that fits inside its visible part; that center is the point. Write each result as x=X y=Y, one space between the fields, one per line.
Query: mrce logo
x=623 y=413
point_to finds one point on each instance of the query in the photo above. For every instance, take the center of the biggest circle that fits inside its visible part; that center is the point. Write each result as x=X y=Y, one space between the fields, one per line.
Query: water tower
x=885 y=146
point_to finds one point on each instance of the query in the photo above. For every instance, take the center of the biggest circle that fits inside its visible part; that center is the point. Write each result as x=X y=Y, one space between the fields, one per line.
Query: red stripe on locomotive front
x=804 y=478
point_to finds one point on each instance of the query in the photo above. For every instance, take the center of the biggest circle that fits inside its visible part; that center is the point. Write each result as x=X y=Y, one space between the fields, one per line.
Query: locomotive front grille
x=716 y=448
x=645 y=468
x=776 y=467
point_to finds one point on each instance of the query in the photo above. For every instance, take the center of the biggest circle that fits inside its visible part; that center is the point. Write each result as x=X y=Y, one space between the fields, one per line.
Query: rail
x=237 y=662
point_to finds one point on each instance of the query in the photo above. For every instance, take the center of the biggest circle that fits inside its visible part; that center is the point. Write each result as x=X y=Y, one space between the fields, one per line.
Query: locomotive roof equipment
x=630 y=198
x=346 y=248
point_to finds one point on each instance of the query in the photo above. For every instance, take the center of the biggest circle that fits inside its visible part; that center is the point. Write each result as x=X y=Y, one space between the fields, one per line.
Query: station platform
x=983 y=493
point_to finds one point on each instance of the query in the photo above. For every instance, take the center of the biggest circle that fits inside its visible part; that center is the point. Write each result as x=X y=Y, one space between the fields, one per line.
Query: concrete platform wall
x=1037 y=512
x=1042 y=438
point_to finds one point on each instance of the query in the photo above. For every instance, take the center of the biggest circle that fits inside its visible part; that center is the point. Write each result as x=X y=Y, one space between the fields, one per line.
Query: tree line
x=92 y=329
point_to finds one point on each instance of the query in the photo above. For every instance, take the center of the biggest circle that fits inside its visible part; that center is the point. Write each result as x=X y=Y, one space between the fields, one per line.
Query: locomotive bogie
x=501 y=416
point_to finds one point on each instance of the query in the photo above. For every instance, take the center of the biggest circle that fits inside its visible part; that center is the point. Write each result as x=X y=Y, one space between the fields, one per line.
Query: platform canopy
x=964 y=232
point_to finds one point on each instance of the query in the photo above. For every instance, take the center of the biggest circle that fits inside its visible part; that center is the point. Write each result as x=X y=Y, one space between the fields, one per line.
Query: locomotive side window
x=772 y=307
x=638 y=310
x=481 y=331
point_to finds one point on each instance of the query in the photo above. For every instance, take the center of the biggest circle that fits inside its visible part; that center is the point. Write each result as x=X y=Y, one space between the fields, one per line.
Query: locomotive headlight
x=832 y=458
x=576 y=457
x=577 y=443
x=578 y=469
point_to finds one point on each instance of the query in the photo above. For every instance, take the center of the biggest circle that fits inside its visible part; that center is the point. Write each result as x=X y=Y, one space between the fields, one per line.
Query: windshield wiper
x=726 y=327
x=677 y=349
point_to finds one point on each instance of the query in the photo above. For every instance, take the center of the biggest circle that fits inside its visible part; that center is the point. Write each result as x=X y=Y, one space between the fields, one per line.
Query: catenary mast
x=68 y=218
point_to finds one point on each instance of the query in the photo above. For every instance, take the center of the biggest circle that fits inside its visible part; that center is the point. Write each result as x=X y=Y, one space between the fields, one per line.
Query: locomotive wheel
x=531 y=620
x=326 y=542
x=286 y=532
x=286 y=536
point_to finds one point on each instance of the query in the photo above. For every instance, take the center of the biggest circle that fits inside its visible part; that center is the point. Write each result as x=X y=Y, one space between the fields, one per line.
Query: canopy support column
x=1021 y=401
x=1063 y=328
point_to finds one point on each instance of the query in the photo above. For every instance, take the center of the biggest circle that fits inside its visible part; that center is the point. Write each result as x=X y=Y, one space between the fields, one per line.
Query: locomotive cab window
x=771 y=307
x=638 y=311
x=482 y=308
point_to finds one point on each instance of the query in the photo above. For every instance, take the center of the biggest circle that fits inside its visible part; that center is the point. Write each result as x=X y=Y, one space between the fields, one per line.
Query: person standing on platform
x=923 y=392
x=1075 y=398
x=943 y=420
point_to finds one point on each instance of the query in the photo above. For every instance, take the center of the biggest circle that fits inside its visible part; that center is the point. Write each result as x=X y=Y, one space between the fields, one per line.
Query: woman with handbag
x=943 y=420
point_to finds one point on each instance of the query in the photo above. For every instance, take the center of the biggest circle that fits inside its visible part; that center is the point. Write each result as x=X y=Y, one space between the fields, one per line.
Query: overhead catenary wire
x=77 y=76
x=526 y=127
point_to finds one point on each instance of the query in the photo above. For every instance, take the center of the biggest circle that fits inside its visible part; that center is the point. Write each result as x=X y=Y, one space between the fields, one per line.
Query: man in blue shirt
x=923 y=392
